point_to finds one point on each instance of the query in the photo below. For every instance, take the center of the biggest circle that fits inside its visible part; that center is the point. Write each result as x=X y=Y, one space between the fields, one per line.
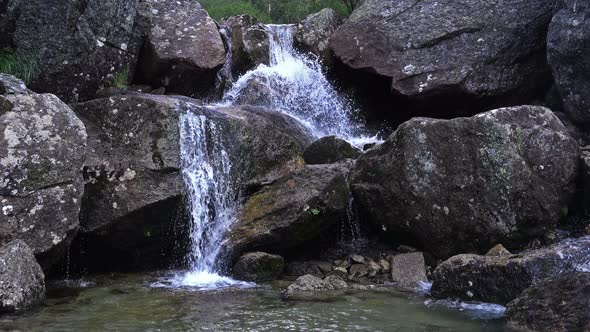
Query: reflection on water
x=130 y=303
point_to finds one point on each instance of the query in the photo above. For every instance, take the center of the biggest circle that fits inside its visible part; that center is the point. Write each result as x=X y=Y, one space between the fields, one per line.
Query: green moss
x=23 y=65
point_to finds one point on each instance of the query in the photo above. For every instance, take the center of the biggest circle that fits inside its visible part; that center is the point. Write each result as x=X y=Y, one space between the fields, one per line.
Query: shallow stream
x=142 y=302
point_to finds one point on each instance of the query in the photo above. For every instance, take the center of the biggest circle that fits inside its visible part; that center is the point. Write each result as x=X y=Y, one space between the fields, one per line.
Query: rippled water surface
x=141 y=303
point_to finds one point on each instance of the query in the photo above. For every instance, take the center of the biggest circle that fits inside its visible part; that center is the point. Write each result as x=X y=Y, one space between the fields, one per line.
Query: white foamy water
x=298 y=87
x=478 y=310
x=211 y=197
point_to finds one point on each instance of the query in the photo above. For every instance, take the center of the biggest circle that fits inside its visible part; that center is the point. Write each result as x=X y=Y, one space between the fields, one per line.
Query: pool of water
x=142 y=302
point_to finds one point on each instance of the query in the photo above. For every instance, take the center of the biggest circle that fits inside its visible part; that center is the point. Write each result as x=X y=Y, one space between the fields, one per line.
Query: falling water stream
x=298 y=88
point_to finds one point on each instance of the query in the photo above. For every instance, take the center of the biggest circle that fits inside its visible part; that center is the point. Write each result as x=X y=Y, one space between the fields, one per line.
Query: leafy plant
x=315 y=211
x=22 y=65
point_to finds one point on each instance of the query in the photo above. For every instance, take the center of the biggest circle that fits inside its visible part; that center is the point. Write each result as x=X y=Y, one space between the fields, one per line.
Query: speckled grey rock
x=314 y=32
x=408 y=270
x=464 y=185
x=42 y=151
x=478 y=48
x=500 y=279
x=259 y=266
x=307 y=287
x=10 y=85
x=79 y=45
x=558 y=304
x=22 y=283
x=568 y=53
x=184 y=49
x=249 y=42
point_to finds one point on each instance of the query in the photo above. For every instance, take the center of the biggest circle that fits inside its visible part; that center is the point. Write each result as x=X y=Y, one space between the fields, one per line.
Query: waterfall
x=298 y=87
x=211 y=195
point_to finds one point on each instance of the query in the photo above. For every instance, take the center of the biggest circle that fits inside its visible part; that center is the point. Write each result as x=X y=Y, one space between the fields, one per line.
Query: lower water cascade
x=298 y=88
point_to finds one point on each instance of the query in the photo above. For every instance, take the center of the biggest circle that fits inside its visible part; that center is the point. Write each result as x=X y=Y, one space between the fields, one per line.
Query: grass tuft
x=19 y=64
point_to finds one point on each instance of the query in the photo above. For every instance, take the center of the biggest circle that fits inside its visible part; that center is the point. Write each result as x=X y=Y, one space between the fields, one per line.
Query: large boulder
x=78 y=46
x=558 y=304
x=568 y=53
x=475 y=48
x=134 y=182
x=500 y=279
x=466 y=184
x=42 y=151
x=293 y=210
x=22 y=283
x=184 y=50
x=314 y=32
x=259 y=266
x=249 y=43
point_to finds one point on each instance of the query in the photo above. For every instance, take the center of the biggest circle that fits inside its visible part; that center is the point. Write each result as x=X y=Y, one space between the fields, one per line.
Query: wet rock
x=498 y=250
x=22 y=283
x=184 y=50
x=336 y=282
x=249 y=42
x=568 y=42
x=257 y=92
x=384 y=265
x=557 y=304
x=306 y=287
x=134 y=185
x=463 y=185
x=374 y=268
x=329 y=150
x=325 y=267
x=476 y=48
x=41 y=153
x=408 y=270
x=293 y=210
x=314 y=32
x=358 y=270
x=259 y=266
x=500 y=279
x=357 y=259
x=298 y=269
x=76 y=48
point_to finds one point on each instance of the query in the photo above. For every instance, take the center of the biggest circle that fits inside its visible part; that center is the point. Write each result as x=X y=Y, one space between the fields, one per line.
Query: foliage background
x=271 y=11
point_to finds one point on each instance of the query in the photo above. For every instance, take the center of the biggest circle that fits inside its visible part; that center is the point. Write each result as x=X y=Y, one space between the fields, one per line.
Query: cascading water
x=211 y=195
x=299 y=88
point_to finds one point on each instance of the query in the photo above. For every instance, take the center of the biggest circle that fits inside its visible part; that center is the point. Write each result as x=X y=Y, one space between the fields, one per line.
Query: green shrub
x=219 y=9
x=272 y=11
x=21 y=65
